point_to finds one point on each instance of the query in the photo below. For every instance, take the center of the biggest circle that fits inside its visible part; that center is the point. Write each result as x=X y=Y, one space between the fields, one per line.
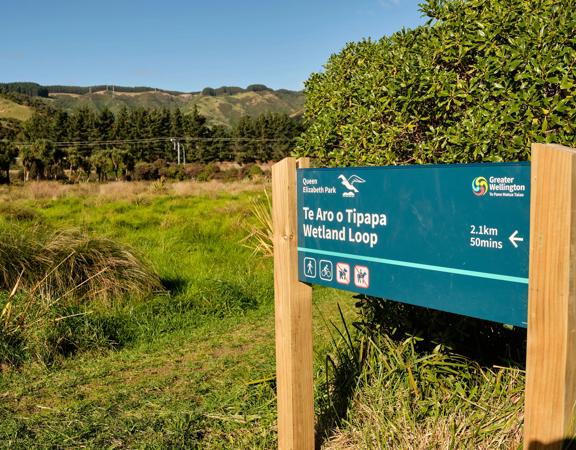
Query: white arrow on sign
x=514 y=239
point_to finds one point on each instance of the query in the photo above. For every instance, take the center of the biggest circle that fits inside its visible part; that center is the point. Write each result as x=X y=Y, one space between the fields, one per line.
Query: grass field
x=11 y=110
x=193 y=366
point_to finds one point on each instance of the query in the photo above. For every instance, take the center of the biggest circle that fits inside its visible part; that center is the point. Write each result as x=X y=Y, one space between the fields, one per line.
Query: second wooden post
x=551 y=353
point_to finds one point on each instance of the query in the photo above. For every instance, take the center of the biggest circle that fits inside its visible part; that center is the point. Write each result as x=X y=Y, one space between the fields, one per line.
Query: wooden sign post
x=551 y=352
x=492 y=208
x=293 y=302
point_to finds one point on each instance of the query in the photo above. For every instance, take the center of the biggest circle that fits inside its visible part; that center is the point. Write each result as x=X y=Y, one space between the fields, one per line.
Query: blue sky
x=186 y=45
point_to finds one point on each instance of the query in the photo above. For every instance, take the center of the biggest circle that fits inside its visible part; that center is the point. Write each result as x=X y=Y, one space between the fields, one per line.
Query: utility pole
x=176 y=143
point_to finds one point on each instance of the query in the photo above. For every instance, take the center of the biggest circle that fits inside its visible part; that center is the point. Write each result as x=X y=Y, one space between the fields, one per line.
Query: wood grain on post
x=551 y=352
x=293 y=303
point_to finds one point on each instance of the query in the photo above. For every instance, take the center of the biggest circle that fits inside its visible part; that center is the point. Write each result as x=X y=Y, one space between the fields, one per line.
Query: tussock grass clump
x=258 y=227
x=72 y=264
x=52 y=288
x=382 y=392
x=17 y=212
x=96 y=268
x=21 y=255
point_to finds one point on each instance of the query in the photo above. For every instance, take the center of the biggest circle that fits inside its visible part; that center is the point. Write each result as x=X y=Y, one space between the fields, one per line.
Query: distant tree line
x=55 y=144
x=9 y=130
x=232 y=90
x=37 y=90
x=31 y=89
x=81 y=90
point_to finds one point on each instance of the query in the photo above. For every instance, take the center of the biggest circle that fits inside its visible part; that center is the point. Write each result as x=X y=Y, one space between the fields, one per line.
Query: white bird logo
x=349 y=184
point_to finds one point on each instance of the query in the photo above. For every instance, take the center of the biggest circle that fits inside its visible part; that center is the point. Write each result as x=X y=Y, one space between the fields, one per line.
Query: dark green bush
x=173 y=172
x=230 y=174
x=145 y=171
x=191 y=171
x=208 y=172
x=255 y=171
x=479 y=82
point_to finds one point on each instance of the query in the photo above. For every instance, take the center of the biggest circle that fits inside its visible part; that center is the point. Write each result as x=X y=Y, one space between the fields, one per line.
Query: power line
x=148 y=141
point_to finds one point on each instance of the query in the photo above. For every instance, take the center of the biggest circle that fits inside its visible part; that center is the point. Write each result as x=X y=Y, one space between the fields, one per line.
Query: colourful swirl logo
x=479 y=186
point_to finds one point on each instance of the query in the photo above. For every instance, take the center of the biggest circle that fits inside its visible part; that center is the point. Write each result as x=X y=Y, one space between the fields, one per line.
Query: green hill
x=12 y=110
x=222 y=106
x=219 y=109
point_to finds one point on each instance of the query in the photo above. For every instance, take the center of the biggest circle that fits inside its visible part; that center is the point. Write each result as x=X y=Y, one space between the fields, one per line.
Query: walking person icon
x=310 y=267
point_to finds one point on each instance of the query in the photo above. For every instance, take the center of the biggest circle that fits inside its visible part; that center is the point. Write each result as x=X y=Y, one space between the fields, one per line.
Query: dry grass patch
x=123 y=190
x=213 y=188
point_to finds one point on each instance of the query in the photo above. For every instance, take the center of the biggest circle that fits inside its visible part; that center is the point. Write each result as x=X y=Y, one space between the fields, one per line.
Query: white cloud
x=387 y=3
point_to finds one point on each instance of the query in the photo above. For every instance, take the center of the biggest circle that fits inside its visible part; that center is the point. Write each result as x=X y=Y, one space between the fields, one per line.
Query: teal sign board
x=449 y=237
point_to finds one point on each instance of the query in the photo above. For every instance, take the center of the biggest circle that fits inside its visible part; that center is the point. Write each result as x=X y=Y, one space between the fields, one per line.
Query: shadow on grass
x=174 y=285
x=564 y=444
x=486 y=343
x=52 y=339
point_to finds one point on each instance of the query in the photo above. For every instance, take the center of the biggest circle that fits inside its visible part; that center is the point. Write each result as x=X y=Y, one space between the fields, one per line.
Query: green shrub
x=208 y=173
x=174 y=172
x=231 y=174
x=145 y=171
x=255 y=171
x=479 y=82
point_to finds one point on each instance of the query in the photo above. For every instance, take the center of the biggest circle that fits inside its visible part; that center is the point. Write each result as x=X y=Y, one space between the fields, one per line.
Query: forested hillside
x=139 y=143
x=221 y=106
x=110 y=132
